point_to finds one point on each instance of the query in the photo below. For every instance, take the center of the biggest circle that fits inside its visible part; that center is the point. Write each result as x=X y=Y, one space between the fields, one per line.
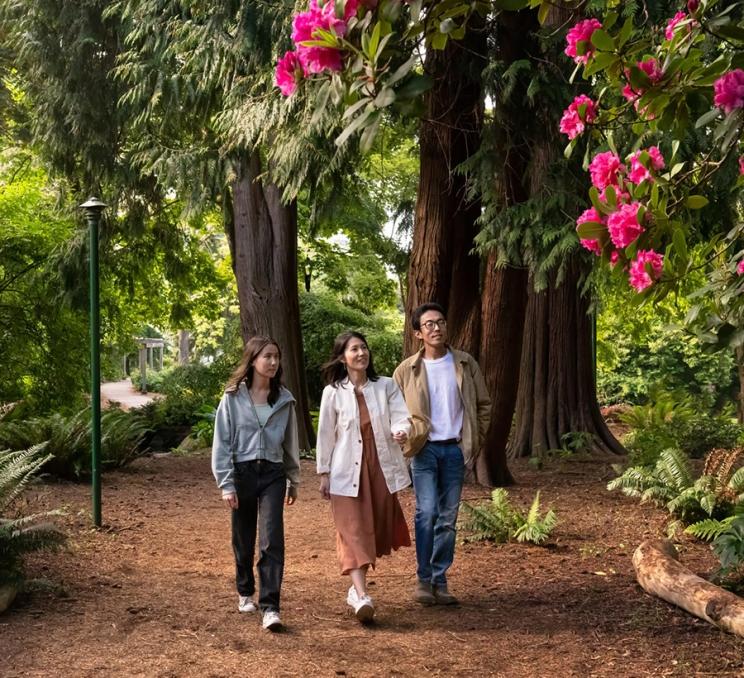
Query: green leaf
x=707 y=118
x=680 y=244
x=439 y=41
x=352 y=127
x=511 y=5
x=625 y=32
x=542 y=13
x=601 y=39
x=416 y=85
x=696 y=202
x=401 y=71
x=374 y=41
x=600 y=62
x=369 y=134
x=731 y=31
x=591 y=230
x=447 y=26
x=385 y=97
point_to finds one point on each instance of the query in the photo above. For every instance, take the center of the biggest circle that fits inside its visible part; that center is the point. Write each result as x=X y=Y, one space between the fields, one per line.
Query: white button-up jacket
x=339 y=447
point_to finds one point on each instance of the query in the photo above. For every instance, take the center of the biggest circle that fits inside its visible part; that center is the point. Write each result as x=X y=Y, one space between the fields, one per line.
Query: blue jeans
x=438 y=472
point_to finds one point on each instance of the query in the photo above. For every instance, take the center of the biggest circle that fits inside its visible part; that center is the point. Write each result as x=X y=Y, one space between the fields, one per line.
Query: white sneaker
x=364 y=609
x=246 y=604
x=271 y=621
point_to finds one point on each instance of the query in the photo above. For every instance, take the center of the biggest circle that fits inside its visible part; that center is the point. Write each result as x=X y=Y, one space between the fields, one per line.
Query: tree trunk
x=266 y=273
x=183 y=347
x=660 y=573
x=442 y=269
x=504 y=302
x=557 y=392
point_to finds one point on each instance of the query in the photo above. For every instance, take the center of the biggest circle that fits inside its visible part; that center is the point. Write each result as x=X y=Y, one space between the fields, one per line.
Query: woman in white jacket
x=362 y=424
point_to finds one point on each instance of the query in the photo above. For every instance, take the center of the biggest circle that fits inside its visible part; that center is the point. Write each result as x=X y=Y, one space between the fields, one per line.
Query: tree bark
x=557 y=393
x=660 y=573
x=265 y=232
x=504 y=302
x=184 y=339
x=442 y=268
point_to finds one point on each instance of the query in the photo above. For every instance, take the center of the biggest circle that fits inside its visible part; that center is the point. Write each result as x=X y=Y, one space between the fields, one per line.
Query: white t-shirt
x=444 y=398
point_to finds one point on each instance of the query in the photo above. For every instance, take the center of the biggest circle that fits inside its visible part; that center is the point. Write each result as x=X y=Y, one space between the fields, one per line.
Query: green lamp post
x=93 y=208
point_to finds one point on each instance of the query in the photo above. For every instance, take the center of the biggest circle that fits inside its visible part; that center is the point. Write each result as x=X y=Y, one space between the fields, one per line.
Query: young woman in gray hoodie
x=256 y=462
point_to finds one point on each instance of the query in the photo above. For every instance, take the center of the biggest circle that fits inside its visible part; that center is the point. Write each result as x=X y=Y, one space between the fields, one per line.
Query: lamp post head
x=93 y=205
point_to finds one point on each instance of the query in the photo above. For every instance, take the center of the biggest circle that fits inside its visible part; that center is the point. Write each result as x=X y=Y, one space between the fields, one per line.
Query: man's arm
x=482 y=403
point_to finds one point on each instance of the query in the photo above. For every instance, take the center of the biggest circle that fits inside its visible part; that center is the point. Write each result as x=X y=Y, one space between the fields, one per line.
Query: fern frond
x=708 y=529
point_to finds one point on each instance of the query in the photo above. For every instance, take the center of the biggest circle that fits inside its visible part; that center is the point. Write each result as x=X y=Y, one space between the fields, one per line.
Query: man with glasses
x=450 y=410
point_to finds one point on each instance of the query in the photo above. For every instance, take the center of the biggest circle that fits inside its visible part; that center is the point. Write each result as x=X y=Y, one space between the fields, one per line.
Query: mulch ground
x=152 y=593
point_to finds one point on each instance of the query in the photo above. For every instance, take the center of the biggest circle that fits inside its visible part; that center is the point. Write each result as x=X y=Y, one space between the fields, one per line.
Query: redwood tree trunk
x=557 y=392
x=442 y=269
x=265 y=232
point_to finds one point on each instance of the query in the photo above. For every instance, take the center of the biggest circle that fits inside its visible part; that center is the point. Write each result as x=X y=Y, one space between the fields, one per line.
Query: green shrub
x=68 y=439
x=190 y=388
x=717 y=493
x=22 y=534
x=203 y=429
x=700 y=434
x=729 y=547
x=499 y=521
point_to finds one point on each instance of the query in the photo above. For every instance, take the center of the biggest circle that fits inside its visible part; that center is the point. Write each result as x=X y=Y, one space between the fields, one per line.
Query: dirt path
x=125 y=394
x=152 y=593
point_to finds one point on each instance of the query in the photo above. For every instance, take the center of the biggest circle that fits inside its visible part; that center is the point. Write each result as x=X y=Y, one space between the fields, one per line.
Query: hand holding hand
x=231 y=500
x=291 y=496
x=400 y=437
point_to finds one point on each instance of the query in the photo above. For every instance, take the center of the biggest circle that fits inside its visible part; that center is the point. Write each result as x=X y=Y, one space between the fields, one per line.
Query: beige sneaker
x=442 y=596
x=423 y=593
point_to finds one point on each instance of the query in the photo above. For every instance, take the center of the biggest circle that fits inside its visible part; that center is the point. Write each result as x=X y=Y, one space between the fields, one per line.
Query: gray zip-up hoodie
x=237 y=437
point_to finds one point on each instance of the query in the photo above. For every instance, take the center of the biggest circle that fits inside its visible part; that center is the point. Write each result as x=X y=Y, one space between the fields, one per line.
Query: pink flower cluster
x=623 y=225
x=652 y=69
x=672 y=24
x=310 y=59
x=573 y=121
x=638 y=171
x=605 y=169
x=740 y=267
x=645 y=269
x=729 y=91
x=581 y=32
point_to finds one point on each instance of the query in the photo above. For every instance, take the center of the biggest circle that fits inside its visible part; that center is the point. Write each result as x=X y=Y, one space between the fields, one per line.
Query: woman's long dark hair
x=244 y=370
x=334 y=371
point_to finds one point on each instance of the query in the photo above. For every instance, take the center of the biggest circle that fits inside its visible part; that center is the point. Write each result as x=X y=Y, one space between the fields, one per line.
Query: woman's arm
x=291 y=457
x=222 y=457
x=399 y=414
x=326 y=430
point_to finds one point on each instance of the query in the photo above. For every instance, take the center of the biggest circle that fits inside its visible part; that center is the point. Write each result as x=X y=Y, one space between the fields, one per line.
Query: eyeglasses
x=429 y=325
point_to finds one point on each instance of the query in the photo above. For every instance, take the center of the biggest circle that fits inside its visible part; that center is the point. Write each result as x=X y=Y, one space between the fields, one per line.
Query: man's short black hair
x=420 y=310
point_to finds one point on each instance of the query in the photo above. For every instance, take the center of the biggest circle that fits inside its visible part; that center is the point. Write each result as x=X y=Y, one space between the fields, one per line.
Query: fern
x=25 y=533
x=499 y=521
x=709 y=529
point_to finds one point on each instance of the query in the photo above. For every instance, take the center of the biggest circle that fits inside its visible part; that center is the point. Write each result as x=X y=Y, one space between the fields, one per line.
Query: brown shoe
x=442 y=596
x=423 y=593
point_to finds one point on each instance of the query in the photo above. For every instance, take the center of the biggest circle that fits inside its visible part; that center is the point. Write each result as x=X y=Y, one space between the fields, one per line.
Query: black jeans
x=261 y=487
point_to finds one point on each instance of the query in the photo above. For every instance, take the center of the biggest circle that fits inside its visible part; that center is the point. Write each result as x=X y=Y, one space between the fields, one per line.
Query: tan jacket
x=410 y=375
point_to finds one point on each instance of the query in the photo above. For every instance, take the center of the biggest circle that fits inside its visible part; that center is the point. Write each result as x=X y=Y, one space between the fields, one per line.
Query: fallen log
x=660 y=573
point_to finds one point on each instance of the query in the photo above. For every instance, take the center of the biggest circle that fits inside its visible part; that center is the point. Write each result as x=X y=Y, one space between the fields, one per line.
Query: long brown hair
x=334 y=371
x=244 y=370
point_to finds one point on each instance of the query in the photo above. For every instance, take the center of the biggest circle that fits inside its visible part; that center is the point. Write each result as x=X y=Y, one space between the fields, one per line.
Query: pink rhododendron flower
x=729 y=91
x=652 y=69
x=638 y=172
x=605 y=169
x=592 y=244
x=623 y=225
x=304 y=26
x=573 y=122
x=645 y=269
x=614 y=258
x=692 y=6
x=671 y=25
x=741 y=165
x=288 y=73
x=581 y=32
x=740 y=267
